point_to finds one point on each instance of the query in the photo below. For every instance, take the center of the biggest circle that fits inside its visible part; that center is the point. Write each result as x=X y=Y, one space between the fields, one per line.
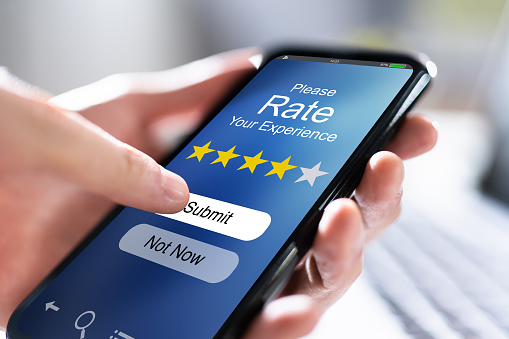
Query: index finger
x=38 y=136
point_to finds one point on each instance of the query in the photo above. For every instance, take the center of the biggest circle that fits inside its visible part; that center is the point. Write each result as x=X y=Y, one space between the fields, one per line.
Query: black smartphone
x=292 y=137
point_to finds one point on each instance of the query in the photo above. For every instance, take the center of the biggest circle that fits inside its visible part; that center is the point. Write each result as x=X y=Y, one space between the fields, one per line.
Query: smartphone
x=291 y=138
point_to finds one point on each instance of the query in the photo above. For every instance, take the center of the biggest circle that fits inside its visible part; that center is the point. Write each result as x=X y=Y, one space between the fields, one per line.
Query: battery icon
x=397 y=65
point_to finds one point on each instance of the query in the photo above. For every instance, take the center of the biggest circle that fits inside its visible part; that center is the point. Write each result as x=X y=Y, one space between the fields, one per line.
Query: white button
x=222 y=217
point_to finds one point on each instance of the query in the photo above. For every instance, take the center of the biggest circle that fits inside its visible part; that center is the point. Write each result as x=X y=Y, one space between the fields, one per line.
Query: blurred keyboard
x=446 y=275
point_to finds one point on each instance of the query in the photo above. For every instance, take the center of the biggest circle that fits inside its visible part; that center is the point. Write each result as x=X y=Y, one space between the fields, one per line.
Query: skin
x=66 y=160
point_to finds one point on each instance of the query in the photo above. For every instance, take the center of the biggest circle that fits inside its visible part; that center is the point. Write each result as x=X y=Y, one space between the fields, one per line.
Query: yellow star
x=224 y=157
x=199 y=152
x=280 y=168
x=252 y=162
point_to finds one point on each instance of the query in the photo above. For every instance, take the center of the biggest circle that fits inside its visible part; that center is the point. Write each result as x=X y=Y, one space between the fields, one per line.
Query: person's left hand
x=336 y=257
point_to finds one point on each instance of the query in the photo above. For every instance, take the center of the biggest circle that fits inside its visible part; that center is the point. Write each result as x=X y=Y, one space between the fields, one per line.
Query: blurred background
x=59 y=45
x=441 y=271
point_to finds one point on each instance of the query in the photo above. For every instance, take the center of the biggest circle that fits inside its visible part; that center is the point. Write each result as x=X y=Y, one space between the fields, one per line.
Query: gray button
x=189 y=256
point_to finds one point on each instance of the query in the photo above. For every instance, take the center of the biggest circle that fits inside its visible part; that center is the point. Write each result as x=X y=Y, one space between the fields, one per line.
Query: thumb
x=68 y=145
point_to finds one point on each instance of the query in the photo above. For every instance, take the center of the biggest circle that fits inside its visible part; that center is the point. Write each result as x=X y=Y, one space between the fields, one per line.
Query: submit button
x=189 y=256
x=222 y=217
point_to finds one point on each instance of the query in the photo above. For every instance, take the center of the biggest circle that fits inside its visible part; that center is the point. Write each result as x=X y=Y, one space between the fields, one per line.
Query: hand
x=336 y=257
x=60 y=173
x=47 y=156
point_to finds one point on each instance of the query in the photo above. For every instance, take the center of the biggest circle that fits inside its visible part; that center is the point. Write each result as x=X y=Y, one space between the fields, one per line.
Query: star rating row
x=278 y=168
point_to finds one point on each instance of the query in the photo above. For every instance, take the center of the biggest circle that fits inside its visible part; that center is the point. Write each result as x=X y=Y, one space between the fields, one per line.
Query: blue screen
x=253 y=172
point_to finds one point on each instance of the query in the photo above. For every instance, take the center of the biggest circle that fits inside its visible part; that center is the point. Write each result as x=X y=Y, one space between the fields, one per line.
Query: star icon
x=280 y=168
x=224 y=157
x=199 y=152
x=252 y=162
x=310 y=174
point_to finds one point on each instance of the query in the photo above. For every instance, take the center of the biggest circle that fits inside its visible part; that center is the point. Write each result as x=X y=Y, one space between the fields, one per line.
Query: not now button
x=222 y=217
x=189 y=256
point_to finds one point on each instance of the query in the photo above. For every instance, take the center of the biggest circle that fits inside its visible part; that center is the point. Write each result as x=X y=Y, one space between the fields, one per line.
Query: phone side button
x=282 y=272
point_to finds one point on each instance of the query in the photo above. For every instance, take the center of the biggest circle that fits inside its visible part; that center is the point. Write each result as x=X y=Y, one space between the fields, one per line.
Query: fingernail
x=436 y=125
x=175 y=189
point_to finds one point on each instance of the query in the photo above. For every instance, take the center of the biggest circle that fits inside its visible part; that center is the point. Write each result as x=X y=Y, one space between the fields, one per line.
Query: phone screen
x=254 y=171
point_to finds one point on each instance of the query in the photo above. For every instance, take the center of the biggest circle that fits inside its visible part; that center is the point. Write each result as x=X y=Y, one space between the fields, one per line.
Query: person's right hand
x=61 y=172
x=47 y=155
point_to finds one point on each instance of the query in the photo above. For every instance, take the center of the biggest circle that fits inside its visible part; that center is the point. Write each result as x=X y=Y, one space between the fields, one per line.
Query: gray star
x=310 y=174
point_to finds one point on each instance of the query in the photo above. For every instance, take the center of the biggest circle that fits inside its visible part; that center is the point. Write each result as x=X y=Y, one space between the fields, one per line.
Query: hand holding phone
x=314 y=114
